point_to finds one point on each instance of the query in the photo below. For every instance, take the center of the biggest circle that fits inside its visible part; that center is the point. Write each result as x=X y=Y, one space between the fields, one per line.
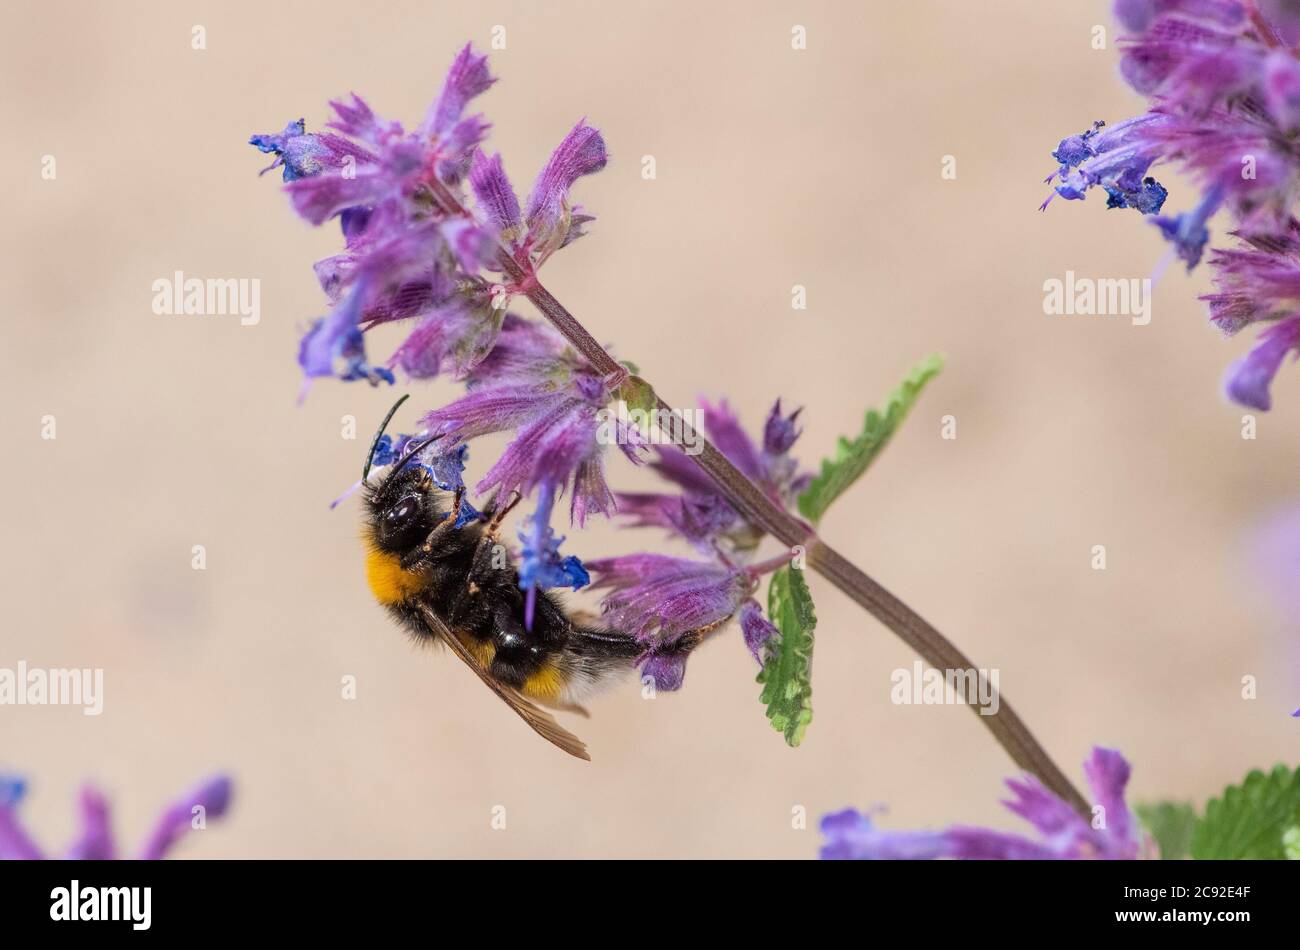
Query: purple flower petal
x=658 y=599
x=780 y=432
x=334 y=345
x=1282 y=88
x=729 y=436
x=1249 y=378
x=758 y=630
x=541 y=566
x=15 y=844
x=851 y=836
x=96 y=840
x=467 y=78
x=666 y=670
x=496 y=196
x=304 y=155
x=213 y=796
x=1063 y=832
x=1108 y=773
x=358 y=120
x=582 y=152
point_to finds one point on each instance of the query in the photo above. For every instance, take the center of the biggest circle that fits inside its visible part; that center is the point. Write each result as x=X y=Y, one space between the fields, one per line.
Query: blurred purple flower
x=1275 y=558
x=1224 y=84
x=1063 y=833
x=95 y=841
x=1249 y=378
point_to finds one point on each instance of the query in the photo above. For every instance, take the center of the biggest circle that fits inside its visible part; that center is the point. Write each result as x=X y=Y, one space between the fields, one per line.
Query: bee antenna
x=370 y=456
x=415 y=450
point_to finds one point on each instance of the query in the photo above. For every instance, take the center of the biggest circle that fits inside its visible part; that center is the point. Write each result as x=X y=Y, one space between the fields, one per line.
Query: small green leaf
x=638 y=394
x=1171 y=824
x=787 y=670
x=1250 y=820
x=854 y=456
x=1291 y=843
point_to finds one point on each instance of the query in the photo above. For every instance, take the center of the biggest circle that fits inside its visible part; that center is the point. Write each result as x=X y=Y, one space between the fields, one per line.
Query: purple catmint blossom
x=550 y=399
x=669 y=602
x=697 y=512
x=1113 y=832
x=95 y=842
x=408 y=258
x=1224 y=86
x=437 y=239
x=302 y=155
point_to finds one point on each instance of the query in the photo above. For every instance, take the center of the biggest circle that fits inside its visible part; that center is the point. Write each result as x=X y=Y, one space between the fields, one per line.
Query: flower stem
x=750 y=501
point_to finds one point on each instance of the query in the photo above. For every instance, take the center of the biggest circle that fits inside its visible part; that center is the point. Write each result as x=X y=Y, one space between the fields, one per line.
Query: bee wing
x=540 y=721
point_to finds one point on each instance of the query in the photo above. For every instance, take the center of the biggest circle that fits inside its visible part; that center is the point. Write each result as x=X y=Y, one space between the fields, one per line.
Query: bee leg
x=443 y=527
x=499 y=514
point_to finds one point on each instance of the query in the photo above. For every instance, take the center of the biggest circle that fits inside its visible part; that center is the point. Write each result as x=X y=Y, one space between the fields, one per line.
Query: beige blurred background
x=775 y=167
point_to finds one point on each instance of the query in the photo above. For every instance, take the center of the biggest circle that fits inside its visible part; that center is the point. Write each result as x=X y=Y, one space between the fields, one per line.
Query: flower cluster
x=414 y=251
x=697 y=512
x=669 y=602
x=1063 y=833
x=1224 y=85
x=95 y=842
x=436 y=238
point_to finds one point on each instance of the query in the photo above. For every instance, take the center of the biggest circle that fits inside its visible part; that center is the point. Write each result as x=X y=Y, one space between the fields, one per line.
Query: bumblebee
x=447 y=578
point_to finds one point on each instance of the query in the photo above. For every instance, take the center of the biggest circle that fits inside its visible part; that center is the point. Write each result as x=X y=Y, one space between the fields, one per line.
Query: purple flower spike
x=15 y=845
x=1223 y=77
x=549 y=214
x=1111 y=833
x=96 y=841
x=213 y=796
x=1249 y=378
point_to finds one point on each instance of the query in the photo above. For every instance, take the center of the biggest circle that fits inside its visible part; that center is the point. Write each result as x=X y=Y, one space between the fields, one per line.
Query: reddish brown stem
x=750 y=501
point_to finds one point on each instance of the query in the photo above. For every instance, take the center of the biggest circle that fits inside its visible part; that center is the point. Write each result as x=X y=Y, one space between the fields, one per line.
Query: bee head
x=403 y=509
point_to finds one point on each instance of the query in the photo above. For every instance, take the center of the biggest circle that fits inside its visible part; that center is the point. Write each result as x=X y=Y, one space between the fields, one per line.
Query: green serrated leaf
x=854 y=456
x=1171 y=824
x=1250 y=819
x=1291 y=843
x=787 y=670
